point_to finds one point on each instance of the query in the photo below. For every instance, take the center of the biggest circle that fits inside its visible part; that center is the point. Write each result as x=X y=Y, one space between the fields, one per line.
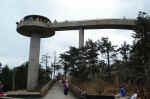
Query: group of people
x=133 y=96
x=40 y=19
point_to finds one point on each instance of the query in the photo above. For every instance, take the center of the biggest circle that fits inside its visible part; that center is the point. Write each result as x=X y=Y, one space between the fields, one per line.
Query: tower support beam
x=33 y=68
x=81 y=38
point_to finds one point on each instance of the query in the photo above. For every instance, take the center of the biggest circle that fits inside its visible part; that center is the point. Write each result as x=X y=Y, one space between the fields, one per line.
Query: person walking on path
x=66 y=87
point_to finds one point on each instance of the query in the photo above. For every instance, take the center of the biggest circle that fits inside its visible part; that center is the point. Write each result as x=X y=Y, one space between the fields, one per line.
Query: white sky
x=14 y=48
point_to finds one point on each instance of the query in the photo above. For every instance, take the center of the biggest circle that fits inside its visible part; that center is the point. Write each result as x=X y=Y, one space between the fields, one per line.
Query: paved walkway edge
x=47 y=87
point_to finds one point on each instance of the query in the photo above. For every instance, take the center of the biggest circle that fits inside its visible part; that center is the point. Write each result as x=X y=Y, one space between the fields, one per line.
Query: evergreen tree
x=65 y=62
x=92 y=57
x=81 y=62
x=6 y=78
x=105 y=46
x=124 y=51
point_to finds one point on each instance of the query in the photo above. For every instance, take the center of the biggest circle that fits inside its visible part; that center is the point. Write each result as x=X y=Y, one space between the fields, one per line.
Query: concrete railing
x=33 y=23
x=47 y=87
x=81 y=94
x=94 y=24
x=77 y=92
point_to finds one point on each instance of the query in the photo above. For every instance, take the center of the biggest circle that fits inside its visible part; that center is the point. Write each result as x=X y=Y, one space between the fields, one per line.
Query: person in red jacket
x=66 y=87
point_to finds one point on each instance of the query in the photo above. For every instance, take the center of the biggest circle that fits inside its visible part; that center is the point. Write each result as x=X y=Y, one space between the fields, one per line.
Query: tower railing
x=33 y=23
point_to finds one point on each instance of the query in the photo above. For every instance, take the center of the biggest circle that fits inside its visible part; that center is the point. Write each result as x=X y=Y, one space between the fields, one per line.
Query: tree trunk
x=108 y=60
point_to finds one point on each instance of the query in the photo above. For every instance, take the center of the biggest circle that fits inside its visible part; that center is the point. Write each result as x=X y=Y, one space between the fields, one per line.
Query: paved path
x=119 y=97
x=57 y=93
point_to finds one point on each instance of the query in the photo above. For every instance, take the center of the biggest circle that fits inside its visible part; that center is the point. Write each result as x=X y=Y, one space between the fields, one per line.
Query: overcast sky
x=14 y=48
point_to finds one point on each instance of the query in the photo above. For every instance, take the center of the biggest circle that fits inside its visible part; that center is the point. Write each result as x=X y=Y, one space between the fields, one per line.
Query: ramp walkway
x=57 y=93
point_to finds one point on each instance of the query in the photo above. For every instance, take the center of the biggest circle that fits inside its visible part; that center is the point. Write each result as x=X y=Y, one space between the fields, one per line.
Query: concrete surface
x=124 y=97
x=118 y=96
x=21 y=94
x=24 y=92
x=33 y=69
x=94 y=24
x=57 y=93
x=81 y=38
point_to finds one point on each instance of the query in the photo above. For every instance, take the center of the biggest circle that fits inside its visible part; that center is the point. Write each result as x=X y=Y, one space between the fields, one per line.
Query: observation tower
x=35 y=27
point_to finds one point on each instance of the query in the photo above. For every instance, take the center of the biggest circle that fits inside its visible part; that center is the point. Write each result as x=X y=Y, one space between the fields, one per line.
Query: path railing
x=87 y=94
x=47 y=87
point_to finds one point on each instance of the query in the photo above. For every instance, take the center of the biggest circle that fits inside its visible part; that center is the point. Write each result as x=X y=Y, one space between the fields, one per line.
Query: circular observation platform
x=35 y=24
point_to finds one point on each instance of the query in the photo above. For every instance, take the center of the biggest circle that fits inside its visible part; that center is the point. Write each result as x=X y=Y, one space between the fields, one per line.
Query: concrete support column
x=33 y=69
x=81 y=38
x=117 y=80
